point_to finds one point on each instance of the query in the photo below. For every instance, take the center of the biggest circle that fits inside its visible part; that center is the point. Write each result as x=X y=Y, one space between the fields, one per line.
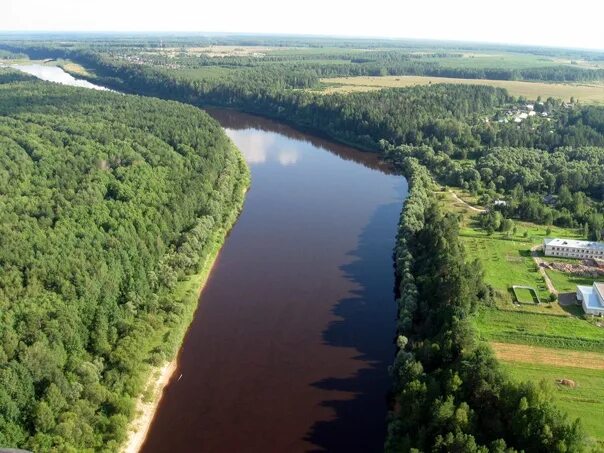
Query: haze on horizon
x=540 y=22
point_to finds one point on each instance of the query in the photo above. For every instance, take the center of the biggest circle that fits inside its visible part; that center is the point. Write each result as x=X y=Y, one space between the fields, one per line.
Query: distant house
x=571 y=248
x=530 y=107
x=544 y=114
x=523 y=116
x=532 y=113
x=592 y=298
x=500 y=203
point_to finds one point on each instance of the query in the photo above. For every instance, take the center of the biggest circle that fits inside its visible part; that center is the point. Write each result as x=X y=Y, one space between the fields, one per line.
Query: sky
x=576 y=23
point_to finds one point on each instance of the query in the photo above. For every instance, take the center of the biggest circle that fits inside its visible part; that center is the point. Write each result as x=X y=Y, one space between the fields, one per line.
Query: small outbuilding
x=592 y=298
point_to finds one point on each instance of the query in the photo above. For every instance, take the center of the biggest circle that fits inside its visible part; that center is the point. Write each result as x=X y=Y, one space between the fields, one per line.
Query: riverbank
x=159 y=377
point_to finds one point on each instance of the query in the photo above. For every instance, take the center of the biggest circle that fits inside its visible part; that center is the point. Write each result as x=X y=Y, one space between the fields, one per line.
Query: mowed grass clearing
x=539 y=329
x=587 y=92
x=510 y=352
x=585 y=401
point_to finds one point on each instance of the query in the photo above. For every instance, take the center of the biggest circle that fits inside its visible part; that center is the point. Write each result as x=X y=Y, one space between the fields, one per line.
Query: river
x=290 y=345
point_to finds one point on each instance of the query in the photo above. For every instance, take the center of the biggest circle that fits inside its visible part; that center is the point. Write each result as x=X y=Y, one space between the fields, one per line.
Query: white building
x=570 y=248
x=592 y=298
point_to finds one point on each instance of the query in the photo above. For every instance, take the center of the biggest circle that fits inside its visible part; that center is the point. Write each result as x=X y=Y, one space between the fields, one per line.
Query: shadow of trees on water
x=366 y=323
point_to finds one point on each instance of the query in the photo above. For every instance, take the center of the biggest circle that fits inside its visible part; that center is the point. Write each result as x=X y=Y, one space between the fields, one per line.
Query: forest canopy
x=107 y=202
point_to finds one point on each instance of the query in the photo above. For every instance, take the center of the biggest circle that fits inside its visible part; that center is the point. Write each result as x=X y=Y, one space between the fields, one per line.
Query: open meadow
x=589 y=93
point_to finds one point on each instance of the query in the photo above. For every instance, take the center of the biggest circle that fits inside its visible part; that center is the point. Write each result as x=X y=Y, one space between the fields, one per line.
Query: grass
x=585 y=401
x=525 y=295
x=559 y=357
x=567 y=283
x=506 y=262
x=506 y=257
x=539 y=329
x=73 y=68
x=587 y=92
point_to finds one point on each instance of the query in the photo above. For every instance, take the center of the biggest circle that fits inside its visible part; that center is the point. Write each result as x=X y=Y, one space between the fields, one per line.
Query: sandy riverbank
x=145 y=410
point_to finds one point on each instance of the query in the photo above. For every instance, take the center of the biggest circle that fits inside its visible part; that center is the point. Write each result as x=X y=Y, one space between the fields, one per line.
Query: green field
x=539 y=329
x=567 y=283
x=585 y=401
x=506 y=262
x=590 y=93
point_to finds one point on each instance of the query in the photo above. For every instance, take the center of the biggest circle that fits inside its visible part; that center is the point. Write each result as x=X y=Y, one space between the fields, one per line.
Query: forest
x=108 y=202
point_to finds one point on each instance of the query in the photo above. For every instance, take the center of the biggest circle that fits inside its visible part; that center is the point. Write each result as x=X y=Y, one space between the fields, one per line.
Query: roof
x=572 y=243
x=590 y=299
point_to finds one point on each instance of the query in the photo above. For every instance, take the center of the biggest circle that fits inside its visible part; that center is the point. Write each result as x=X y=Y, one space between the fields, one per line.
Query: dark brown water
x=290 y=346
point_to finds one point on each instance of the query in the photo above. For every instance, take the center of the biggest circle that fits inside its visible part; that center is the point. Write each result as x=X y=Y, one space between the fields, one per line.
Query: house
x=571 y=248
x=592 y=298
x=532 y=113
x=500 y=203
x=523 y=116
x=530 y=107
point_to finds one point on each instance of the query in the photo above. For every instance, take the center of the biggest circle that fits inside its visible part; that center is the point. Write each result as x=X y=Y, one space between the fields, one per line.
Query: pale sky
x=576 y=23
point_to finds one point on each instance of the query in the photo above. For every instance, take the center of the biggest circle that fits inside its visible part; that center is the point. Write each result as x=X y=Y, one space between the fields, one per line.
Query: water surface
x=57 y=75
x=290 y=345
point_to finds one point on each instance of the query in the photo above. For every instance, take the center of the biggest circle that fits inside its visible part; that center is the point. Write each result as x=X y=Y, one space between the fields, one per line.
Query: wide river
x=290 y=346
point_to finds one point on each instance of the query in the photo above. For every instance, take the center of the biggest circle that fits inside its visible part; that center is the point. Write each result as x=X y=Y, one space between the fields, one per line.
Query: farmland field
x=533 y=354
x=539 y=329
x=585 y=92
x=585 y=401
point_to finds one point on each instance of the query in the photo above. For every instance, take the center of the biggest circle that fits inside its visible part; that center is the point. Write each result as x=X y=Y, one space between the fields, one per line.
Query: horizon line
x=300 y=35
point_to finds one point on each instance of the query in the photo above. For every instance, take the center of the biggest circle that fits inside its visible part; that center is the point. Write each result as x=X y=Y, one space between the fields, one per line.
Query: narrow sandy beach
x=139 y=427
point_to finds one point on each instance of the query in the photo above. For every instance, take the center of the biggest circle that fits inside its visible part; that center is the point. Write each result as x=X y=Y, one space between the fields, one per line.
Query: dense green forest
x=107 y=203
x=449 y=391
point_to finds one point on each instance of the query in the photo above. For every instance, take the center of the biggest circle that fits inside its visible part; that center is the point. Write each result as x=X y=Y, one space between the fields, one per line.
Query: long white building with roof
x=571 y=248
x=592 y=298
